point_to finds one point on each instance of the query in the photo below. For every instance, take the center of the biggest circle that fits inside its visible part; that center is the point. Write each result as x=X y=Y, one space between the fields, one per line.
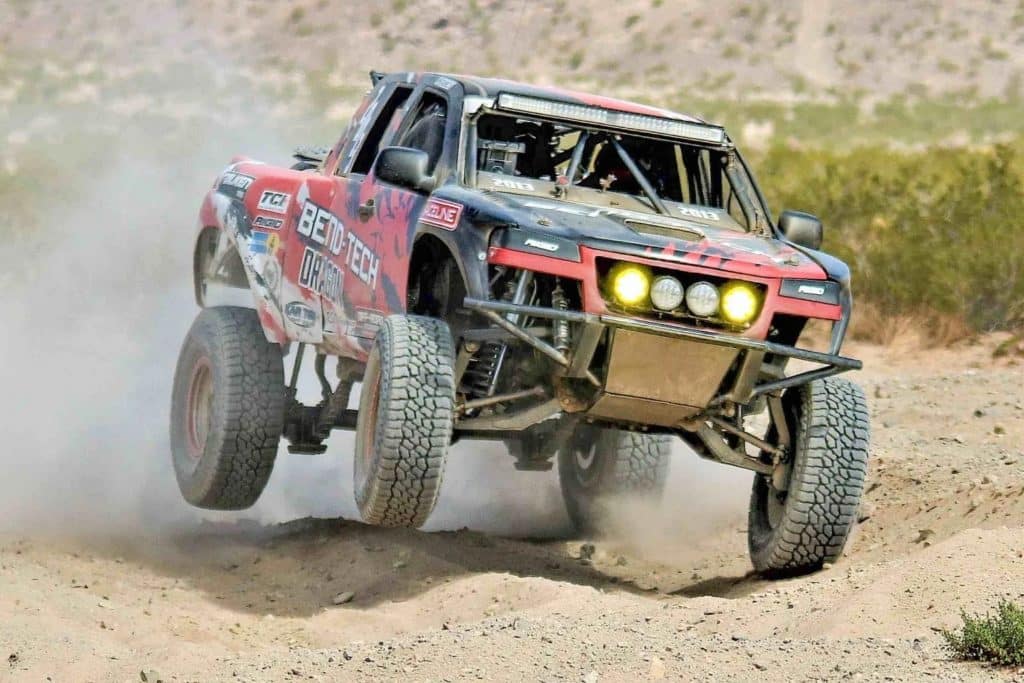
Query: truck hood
x=698 y=239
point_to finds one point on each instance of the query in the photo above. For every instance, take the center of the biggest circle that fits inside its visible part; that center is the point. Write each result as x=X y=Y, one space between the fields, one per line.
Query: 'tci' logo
x=275 y=202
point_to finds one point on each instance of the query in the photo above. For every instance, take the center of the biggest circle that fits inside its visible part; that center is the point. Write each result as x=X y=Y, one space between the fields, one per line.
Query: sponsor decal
x=370 y=318
x=699 y=213
x=235 y=220
x=362 y=261
x=512 y=184
x=272 y=274
x=234 y=184
x=300 y=314
x=330 y=321
x=540 y=244
x=322 y=227
x=274 y=202
x=823 y=291
x=445 y=82
x=266 y=243
x=442 y=214
x=267 y=222
x=318 y=274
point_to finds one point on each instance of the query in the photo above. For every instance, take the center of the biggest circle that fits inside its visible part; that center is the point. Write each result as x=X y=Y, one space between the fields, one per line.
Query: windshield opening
x=591 y=166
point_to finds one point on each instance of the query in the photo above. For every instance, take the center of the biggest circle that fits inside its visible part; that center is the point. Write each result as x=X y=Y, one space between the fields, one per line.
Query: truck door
x=382 y=223
x=378 y=122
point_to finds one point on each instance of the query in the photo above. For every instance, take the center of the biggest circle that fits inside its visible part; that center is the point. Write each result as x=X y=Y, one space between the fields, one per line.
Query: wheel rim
x=776 y=505
x=364 y=458
x=200 y=405
x=585 y=463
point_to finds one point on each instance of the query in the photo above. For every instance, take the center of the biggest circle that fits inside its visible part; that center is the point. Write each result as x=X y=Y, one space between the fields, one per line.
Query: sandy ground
x=662 y=597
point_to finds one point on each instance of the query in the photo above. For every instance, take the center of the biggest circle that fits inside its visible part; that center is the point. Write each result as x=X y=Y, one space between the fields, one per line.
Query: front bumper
x=741 y=384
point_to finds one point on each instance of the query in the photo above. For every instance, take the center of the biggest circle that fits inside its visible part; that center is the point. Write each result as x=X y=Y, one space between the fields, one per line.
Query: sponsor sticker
x=266 y=243
x=330 y=321
x=510 y=184
x=441 y=213
x=540 y=244
x=300 y=314
x=274 y=202
x=267 y=222
x=322 y=227
x=362 y=261
x=445 y=82
x=705 y=214
x=370 y=318
x=234 y=184
x=811 y=289
x=318 y=274
x=272 y=274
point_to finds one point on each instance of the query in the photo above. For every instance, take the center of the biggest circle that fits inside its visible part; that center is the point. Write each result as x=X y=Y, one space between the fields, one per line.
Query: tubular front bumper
x=744 y=386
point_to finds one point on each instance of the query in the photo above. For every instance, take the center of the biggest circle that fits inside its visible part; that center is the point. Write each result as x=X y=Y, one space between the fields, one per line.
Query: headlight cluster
x=632 y=284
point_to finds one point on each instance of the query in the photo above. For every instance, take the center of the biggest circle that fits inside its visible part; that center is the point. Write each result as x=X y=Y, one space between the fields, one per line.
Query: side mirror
x=801 y=228
x=405 y=167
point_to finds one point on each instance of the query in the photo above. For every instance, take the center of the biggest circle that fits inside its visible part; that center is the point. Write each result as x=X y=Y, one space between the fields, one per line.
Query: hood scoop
x=675 y=230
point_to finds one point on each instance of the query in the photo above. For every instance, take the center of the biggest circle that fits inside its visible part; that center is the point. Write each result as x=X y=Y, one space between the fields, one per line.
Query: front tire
x=797 y=530
x=599 y=463
x=404 y=428
x=227 y=409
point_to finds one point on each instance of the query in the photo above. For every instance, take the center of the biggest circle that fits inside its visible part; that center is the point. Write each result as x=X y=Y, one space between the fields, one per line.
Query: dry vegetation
x=900 y=126
x=931 y=235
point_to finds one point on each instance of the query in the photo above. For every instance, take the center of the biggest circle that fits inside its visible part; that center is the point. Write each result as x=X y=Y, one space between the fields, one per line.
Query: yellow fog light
x=739 y=302
x=630 y=283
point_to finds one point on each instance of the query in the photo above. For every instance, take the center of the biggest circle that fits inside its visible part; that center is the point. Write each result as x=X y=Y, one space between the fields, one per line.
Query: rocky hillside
x=794 y=49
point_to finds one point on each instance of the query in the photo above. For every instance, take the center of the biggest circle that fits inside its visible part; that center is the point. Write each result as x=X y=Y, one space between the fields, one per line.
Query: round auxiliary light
x=739 y=302
x=630 y=283
x=702 y=299
x=666 y=293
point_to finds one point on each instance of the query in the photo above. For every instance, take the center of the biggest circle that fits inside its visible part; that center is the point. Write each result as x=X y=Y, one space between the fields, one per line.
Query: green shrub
x=936 y=231
x=997 y=638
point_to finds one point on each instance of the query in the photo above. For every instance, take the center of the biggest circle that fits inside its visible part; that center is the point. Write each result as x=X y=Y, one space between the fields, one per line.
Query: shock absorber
x=561 y=327
x=481 y=376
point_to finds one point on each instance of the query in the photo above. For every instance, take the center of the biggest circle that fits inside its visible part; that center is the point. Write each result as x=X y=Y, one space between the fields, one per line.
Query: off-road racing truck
x=579 y=277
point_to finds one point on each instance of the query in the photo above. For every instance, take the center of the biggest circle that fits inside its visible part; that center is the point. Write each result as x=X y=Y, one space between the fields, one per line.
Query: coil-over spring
x=481 y=376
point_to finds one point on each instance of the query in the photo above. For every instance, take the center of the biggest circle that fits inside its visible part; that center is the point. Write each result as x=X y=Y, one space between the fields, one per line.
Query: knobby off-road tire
x=227 y=409
x=600 y=463
x=800 y=529
x=405 y=421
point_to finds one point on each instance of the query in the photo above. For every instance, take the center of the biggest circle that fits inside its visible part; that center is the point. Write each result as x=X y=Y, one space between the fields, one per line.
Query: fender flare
x=205 y=250
x=241 y=272
x=467 y=246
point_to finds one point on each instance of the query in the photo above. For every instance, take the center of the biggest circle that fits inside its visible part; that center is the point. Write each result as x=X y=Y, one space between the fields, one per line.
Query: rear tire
x=227 y=409
x=404 y=428
x=797 y=530
x=599 y=462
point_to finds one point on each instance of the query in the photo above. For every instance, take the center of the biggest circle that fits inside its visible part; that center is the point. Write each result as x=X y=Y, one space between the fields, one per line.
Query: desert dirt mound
x=318 y=599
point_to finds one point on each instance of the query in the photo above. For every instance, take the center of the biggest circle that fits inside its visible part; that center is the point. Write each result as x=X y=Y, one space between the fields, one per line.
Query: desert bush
x=997 y=638
x=932 y=234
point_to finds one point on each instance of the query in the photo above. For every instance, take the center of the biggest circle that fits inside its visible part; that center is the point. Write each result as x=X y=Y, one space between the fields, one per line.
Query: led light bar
x=584 y=113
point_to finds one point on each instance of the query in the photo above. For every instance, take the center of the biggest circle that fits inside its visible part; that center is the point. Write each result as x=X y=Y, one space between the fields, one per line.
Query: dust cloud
x=95 y=306
x=702 y=499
